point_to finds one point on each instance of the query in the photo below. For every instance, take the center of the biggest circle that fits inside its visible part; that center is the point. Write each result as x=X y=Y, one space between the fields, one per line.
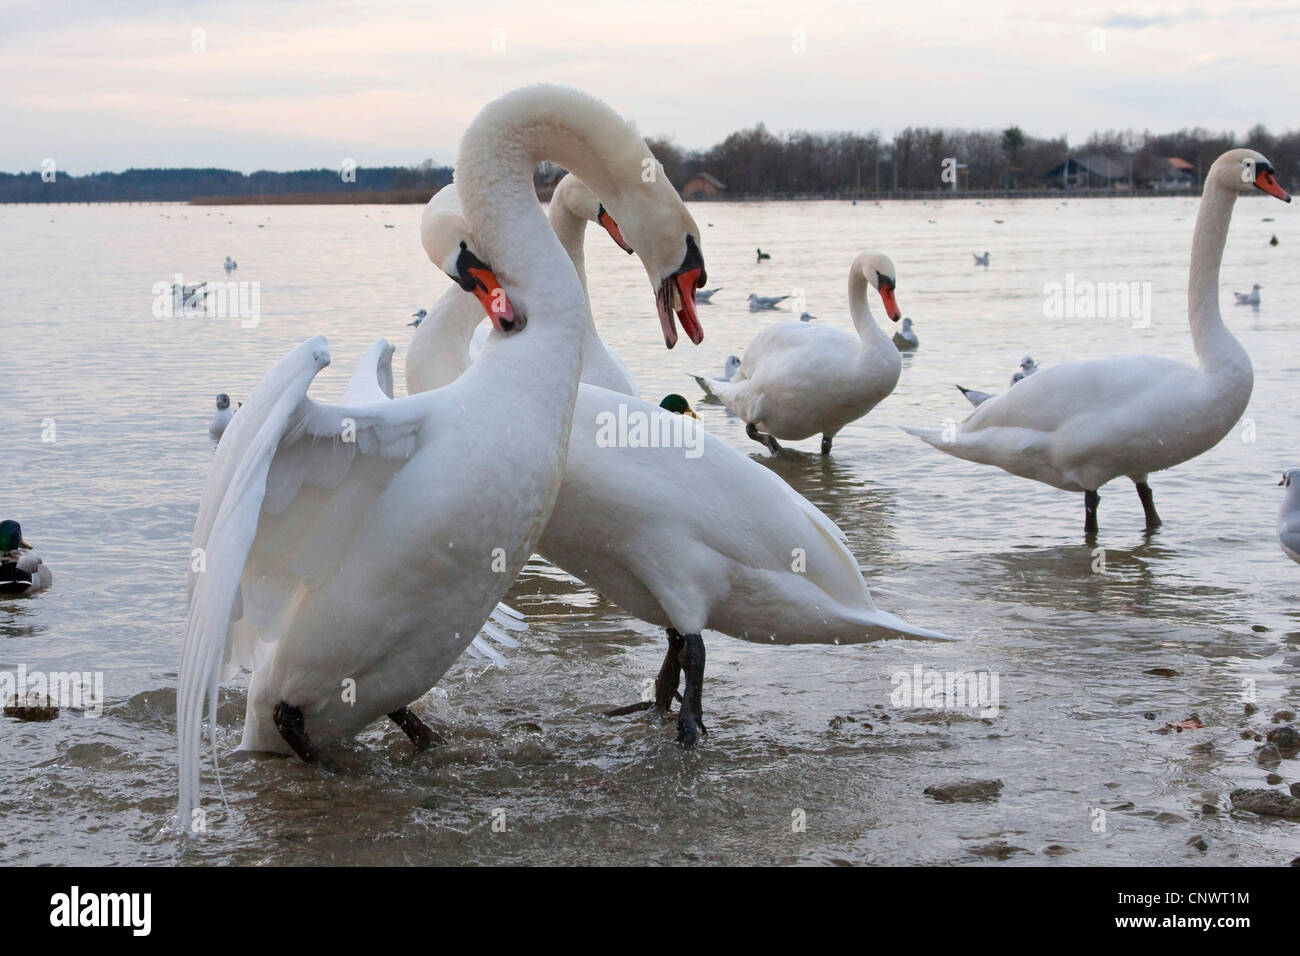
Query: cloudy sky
x=105 y=84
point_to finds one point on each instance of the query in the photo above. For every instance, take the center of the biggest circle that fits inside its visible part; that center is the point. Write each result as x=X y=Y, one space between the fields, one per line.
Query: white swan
x=906 y=339
x=798 y=379
x=1078 y=425
x=1288 y=516
x=691 y=535
x=21 y=569
x=349 y=554
x=1249 y=298
x=220 y=420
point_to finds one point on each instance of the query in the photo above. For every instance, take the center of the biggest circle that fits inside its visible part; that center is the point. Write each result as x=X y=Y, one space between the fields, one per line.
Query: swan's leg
x=1090 y=501
x=420 y=733
x=1148 y=504
x=826 y=442
x=288 y=720
x=752 y=431
x=690 y=727
x=670 y=675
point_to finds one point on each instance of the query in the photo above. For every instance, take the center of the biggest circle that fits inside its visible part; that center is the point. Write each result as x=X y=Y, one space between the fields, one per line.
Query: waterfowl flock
x=358 y=544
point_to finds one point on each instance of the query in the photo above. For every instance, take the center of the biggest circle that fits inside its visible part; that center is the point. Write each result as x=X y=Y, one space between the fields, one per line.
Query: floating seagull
x=221 y=420
x=1273 y=241
x=21 y=569
x=905 y=338
x=981 y=260
x=806 y=316
x=763 y=255
x=757 y=303
x=1249 y=298
x=1027 y=367
x=730 y=367
x=1288 y=517
x=703 y=296
x=419 y=317
x=230 y=265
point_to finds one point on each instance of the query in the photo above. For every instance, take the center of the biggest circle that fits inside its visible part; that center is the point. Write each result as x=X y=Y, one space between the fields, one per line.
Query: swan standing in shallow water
x=21 y=569
x=906 y=339
x=1288 y=516
x=1078 y=425
x=798 y=379
x=350 y=553
x=688 y=541
x=1249 y=298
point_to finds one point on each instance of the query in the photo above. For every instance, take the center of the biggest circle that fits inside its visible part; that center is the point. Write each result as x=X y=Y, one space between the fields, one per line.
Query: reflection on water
x=1093 y=659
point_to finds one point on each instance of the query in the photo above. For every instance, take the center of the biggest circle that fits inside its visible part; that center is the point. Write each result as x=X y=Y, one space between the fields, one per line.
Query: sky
x=103 y=85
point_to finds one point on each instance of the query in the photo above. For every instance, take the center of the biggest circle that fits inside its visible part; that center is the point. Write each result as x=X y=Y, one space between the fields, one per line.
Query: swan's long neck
x=571 y=229
x=1216 y=348
x=439 y=350
x=869 y=332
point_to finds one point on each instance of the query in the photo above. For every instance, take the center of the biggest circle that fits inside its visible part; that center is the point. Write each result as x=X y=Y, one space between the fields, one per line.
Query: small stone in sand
x=1268 y=803
x=964 y=791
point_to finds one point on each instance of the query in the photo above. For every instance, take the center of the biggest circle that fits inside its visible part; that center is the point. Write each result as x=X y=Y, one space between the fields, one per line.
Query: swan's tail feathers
x=704 y=384
x=932 y=436
x=976 y=398
x=886 y=626
x=500 y=622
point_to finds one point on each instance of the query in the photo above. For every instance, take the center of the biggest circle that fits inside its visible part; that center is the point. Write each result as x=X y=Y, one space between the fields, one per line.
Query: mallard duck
x=21 y=569
x=678 y=405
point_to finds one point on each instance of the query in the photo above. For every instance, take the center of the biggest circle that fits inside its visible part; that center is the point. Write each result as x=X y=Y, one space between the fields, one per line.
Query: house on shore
x=1091 y=171
x=702 y=186
x=1168 y=174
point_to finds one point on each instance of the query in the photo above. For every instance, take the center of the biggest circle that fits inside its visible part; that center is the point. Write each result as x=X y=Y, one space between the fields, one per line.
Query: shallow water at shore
x=1091 y=666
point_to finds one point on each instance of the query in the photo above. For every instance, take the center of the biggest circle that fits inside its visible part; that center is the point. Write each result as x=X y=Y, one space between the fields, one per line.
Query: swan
x=230 y=265
x=349 y=553
x=221 y=418
x=798 y=379
x=979 y=260
x=1078 y=425
x=905 y=339
x=705 y=296
x=444 y=347
x=21 y=569
x=1027 y=367
x=1249 y=298
x=693 y=541
x=1288 y=516
x=757 y=303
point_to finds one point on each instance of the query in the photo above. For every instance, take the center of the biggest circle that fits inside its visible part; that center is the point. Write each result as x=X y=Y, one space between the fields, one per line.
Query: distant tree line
x=750 y=162
x=758 y=162
x=182 y=185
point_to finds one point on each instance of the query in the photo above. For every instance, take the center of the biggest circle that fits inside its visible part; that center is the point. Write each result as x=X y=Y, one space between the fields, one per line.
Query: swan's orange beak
x=1267 y=181
x=677 y=293
x=494 y=300
x=611 y=227
x=891 y=306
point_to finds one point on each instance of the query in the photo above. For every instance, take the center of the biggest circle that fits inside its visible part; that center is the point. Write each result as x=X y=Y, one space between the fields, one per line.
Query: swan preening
x=798 y=379
x=1249 y=298
x=352 y=546
x=21 y=569
x=1077 y=425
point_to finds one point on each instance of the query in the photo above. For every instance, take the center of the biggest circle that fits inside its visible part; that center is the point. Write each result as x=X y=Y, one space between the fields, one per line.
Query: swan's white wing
x=372 y=381
x=289 y=485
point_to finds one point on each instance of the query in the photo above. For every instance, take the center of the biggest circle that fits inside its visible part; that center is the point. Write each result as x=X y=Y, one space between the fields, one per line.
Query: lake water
x=1088 y=776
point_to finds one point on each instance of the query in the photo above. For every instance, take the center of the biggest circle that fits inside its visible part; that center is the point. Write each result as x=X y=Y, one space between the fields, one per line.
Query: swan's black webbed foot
x=1148 y=505
x=421 y=734
x=690 y=726
x=670 y=674
x=772 y=445
x=1090 y=501
x=289 y=721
